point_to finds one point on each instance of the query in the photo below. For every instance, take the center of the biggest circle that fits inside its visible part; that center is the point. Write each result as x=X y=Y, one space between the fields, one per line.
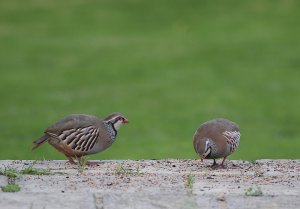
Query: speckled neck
x=111 y=130
x=214 y=148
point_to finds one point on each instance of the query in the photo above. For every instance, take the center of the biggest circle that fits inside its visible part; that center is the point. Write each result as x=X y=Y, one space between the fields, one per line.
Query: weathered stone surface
x=155 y=184
x=147 y=200
x=46 y=200
x=3 y=181
x=248 y=202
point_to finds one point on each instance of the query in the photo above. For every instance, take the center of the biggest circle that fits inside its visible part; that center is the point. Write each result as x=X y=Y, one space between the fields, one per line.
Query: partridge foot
x=71 y=161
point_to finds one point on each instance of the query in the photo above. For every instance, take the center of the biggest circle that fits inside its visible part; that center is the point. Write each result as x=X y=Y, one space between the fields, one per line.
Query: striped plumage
x=216 y=138
x=79 y=135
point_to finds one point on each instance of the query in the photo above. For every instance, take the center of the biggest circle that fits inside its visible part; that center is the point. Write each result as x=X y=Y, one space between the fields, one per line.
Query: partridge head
x=79 y=135
x=216 y=138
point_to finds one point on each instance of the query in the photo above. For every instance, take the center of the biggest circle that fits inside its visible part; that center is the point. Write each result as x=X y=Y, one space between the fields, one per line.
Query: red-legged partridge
x=216 y=138
x=79 y=135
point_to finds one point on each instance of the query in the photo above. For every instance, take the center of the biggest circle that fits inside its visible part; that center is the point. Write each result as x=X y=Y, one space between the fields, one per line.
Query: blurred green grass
x=166 y=65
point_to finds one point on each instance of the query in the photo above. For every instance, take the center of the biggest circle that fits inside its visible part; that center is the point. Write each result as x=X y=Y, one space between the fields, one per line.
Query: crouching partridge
x=216 y=138
x=79 y=135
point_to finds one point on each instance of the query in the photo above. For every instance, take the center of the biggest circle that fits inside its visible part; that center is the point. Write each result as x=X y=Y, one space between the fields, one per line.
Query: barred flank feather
x=233 y=139
x=81 y=139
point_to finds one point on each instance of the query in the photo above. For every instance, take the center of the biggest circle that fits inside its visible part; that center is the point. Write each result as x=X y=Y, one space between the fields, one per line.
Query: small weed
x=82 y=163
x=258 y=171
x=190 y=181
x=9 y=172
x=34 y=171
x=121 y=170
x=138 y=171
x=254 y=191
x=11 y=188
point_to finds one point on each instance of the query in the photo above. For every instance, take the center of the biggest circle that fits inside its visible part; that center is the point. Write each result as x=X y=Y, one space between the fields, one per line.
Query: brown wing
x=211 y=130
x=233 y=139
x=80 y=139
x=231 y=132
x=75 y=132
x=72 y=121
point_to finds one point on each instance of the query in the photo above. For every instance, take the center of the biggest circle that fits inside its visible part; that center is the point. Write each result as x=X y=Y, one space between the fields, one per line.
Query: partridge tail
x=40 y=141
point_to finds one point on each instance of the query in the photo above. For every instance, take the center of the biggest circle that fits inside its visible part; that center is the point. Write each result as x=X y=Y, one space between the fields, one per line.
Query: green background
x=168 y=66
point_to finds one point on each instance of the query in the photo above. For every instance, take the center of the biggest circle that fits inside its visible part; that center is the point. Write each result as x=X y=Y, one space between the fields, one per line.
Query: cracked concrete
x=155 y=184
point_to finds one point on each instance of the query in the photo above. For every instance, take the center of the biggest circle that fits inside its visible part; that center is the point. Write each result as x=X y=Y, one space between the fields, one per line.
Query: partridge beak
x=125 y=121
x=205 y=154
x=202 y=157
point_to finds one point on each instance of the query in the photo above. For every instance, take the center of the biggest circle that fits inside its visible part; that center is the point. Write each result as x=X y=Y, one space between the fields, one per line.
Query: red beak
x=125 y=121
x=202 y=158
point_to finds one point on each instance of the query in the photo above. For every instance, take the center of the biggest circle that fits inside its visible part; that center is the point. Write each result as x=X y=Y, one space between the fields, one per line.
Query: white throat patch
x=117 y=125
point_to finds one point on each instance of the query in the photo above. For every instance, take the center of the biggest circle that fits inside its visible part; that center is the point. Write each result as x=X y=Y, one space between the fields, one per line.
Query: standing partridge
x=79 y=135
x=216 y=138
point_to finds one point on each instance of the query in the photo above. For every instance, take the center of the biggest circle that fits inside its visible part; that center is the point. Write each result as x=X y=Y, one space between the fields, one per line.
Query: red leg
x=222 y=164
x=82 y=160
x=71 y=161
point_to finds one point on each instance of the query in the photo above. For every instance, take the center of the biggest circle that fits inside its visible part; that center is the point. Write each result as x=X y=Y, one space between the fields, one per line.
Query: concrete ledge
x=155 y=184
